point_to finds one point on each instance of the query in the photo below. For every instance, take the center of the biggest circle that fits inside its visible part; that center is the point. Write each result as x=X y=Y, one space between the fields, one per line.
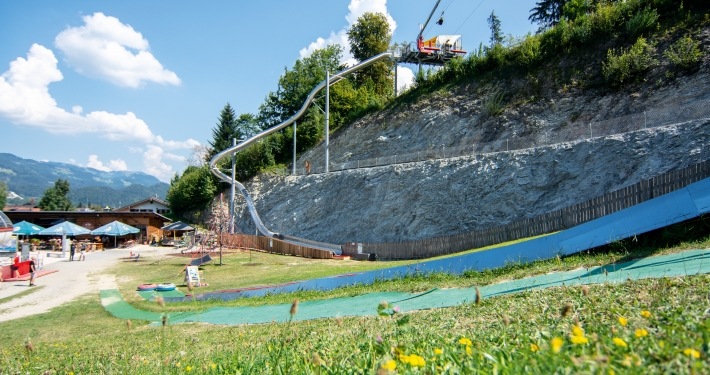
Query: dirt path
x=73 y=280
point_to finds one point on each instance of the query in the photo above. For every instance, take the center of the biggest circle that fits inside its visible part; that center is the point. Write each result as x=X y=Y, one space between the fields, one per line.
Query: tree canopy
x=547 y=13
x=230 y=127
x=193 y=190
x=56 y=198
x=370 y=36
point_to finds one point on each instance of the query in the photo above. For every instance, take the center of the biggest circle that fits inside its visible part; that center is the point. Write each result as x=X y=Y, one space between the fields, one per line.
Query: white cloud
x=113 y=165
x=357 y=8
x=153 y=164
x=174 y=157
x=25 y=100
x=72 y=161
x=190 y=143
x=100 y=49
x=405 y=78
x=134 y=150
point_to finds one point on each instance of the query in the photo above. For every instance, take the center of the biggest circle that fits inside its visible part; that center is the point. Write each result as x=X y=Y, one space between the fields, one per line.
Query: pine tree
x=223 y=133
x=547 y=13
x=496 y=34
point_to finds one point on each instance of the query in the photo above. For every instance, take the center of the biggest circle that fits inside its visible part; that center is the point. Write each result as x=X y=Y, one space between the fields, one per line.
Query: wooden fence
x=272 y=245
x=550 y=222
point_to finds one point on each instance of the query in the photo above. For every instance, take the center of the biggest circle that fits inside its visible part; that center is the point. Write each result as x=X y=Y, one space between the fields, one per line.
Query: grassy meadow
x=645 y=326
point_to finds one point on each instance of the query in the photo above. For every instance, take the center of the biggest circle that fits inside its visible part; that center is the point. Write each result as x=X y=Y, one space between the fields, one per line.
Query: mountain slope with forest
x=30 y=178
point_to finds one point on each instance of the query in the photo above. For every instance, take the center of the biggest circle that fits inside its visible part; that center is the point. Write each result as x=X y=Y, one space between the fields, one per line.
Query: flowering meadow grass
x=637 y=327
x=647 y=326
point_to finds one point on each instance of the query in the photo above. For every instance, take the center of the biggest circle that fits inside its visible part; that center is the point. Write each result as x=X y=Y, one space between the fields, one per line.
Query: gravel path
x=73 y=280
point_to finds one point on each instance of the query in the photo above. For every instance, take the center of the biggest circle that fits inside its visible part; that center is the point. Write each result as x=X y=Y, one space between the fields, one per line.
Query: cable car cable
x=469 y=16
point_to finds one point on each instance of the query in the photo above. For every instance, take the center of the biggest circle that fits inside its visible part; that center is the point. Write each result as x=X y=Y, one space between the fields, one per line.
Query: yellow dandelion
x=557 y=344
x=438 y=351
x=188 y=368
x=389 y=365
x=641 y=332
x=646 y=314
x=178 y=364
x=692 y=353
x=468 y=350
x=611 y=372
x=579 y=340
x=534 y=348
x=577 y=331
x=619 y=342
x=465 y=341
x=623 y=321
x=417 y=361
x=404 y=358
x=213 y=366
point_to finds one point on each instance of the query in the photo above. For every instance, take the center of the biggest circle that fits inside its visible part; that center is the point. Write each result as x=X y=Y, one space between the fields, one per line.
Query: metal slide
x=234 y=149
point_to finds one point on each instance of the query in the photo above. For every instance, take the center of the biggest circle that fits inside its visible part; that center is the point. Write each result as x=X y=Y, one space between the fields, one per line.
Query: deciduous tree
x=193 y=190
x=370 y=36
x=56 y=198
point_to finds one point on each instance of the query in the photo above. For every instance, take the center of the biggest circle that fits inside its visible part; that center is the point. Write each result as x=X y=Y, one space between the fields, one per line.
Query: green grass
x=510 y=334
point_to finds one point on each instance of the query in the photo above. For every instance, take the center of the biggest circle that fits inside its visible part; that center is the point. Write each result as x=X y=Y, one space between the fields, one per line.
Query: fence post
x=506 y=146
x=443 y=151
x=590 y=131
x=644 y=120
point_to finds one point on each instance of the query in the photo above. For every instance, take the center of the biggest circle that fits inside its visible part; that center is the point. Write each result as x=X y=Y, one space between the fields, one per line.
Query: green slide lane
x=686 y=263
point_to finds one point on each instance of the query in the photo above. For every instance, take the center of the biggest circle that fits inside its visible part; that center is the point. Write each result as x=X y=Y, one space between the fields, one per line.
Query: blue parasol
x=114 y=228
x=64 y=228
x=26 y=229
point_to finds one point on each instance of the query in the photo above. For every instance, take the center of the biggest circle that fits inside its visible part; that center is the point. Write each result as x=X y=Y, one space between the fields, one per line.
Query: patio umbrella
x=64 y=229
x=115 y=229
x=26 y=229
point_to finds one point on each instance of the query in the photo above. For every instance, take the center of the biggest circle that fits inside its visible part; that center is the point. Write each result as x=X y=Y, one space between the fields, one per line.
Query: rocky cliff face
x=432 y=198
x=447 y=196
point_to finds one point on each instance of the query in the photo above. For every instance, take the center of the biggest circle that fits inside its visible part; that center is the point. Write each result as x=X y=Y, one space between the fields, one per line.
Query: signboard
x=192 y=275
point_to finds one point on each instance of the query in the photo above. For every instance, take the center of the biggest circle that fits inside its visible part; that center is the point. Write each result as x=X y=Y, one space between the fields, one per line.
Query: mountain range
x=30 y=178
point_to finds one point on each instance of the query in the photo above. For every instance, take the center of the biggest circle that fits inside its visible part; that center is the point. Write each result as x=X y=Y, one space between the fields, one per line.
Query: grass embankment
x=528 y=331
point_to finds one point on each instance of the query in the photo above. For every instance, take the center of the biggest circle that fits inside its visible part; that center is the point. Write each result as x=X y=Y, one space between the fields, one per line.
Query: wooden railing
x=550 y=222
x=272 y=245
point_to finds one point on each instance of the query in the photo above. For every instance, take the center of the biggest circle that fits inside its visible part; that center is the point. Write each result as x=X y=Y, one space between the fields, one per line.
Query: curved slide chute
x=244 y=144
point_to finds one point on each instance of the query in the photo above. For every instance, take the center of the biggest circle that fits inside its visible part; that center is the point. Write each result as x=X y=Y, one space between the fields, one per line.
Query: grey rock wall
x=448 y=196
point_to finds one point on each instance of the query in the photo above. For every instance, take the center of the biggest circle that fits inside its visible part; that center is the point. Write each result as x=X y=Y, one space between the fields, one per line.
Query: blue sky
x=135 y=85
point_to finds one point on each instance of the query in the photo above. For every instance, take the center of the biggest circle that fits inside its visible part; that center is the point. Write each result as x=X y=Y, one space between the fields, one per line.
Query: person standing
x=72 y=251
x=32 y=271
x=83 y=251
x=15 y=266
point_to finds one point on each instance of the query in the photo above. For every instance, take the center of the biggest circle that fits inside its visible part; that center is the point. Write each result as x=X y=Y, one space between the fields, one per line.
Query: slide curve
x=244 y=144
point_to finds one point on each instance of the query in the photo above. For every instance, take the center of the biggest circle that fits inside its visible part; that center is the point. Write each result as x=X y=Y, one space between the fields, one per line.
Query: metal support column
x=293 y=169
x=395 y=79
x=232 y=214
x=327 y=116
